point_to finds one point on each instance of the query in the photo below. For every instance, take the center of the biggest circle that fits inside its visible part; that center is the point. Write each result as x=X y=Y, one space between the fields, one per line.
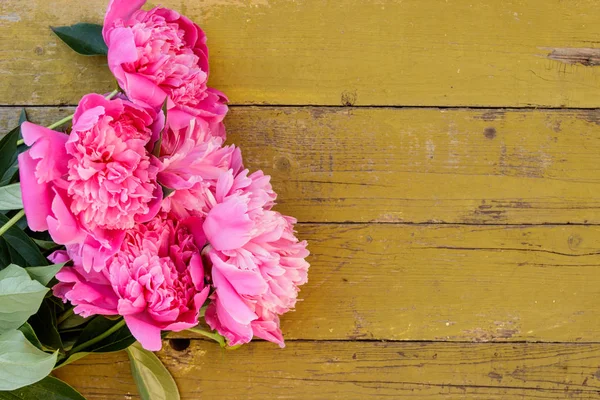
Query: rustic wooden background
x=443 y=158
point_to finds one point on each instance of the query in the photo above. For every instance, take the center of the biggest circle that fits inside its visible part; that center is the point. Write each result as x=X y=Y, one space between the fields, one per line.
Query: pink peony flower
x=257 y=262
x=158 y=54
x=192 y=159
x=155 y=281
x=86 y=188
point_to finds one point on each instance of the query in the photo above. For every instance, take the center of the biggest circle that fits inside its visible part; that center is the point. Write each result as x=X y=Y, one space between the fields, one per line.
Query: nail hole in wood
x=179 y=344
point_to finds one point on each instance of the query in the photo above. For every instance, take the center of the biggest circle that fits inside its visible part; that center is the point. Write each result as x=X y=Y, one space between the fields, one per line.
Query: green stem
x=62 y=121
x=211 y=335
x=64 y=316
x=70 y=117
x=11 y=222
x=112 y=94
x=98 y=338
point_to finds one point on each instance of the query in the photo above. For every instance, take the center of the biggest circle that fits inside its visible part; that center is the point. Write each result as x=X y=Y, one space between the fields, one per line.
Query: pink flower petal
x=144 y=331
x=227 y=225
x=119 y=9
x=37 y=197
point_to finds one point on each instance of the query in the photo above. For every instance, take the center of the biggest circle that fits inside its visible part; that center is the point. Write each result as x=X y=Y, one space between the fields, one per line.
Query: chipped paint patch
x=575 y=55
x=10 y=17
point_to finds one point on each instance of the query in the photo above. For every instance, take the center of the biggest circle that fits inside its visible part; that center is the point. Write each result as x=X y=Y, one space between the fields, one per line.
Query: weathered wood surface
x=456 y=283
x=386 y=52
x=446 y=225
x=355 y=370
x=418 y=165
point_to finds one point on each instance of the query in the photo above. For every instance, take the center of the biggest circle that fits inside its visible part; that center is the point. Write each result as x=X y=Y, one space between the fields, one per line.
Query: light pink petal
x=62 y=225
x=32 y=132
x=121 y=51
x=119 y=9
x=59 y=257
x=153 y=206
x=231 y=303
x=197 y=271
x=140 y=89
x=268 y=330
x=234 y=332
x=91 y=107
x=227 y=225
x=178 y=119
x=245 y=282
x=37 y=197
x=144 y=331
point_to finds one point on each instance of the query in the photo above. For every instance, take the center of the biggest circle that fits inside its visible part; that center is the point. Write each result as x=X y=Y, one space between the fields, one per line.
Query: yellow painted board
x=418 y=165
x=357 y=370
x=385 y=52
x=444 y=282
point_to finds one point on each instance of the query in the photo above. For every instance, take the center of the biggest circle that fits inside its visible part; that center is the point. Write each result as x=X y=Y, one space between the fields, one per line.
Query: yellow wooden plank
x=472 y=283
x=355 y=370
x=386 y=52
x=418 y=165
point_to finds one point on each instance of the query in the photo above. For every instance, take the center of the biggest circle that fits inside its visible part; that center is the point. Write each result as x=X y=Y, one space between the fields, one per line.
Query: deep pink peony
x=155 y=281
x=88 y=187
x=159 y=53
x=257 y=262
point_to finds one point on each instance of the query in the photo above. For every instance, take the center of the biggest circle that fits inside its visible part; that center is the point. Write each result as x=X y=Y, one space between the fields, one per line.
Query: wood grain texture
x=456 y=283
x=350 y=370
x=418 y=165
x=386 y=52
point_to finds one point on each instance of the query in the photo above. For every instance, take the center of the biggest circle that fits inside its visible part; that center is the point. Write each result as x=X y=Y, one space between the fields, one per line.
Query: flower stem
x=112 y=94
x=98 y=338
x=214 y=336
x=11 y=222
x=61 y=122
x=70 y=117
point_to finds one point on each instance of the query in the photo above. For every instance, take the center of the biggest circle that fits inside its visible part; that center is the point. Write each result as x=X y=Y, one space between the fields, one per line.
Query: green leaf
x=45 y=244
x=73 y=322
x=5 y=259
x=13 y=170
x=19 y=241
x=153 y=380
x=21 y=363
x=119 y=340
x=49 y=388
x=8 y=150
x=44 y=274
x=20 y=297
x=10 y=197
x=44 y=323
x=84 y=38
x=22 y=116
x=30 y=335
x=15 y=257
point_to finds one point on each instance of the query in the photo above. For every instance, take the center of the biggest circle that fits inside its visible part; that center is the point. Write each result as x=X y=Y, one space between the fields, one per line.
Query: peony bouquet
x=139 y=219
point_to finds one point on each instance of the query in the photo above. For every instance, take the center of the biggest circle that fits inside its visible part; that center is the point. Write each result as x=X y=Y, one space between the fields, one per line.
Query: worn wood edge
x=386 y=165
x=354 y=53
x=341 y=370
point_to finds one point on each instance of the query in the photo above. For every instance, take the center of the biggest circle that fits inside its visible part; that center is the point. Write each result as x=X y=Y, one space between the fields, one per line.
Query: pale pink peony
x=155 y=281
x=192 y=159
x=257 y=262
x=158 y=54
x=86 y=188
